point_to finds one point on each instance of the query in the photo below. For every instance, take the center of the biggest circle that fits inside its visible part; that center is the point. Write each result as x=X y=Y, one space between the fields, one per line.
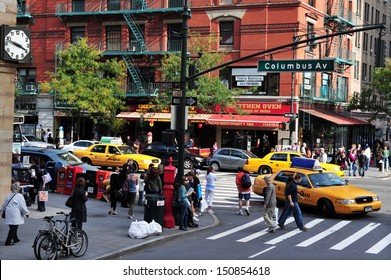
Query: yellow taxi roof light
x=306 y=163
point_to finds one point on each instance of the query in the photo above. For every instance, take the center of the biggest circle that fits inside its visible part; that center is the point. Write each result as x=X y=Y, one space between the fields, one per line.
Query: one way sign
x=190 y=101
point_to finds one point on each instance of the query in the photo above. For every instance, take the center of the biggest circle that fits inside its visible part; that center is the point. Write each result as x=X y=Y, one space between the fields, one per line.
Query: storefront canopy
x=335 y=117
x=163 y=117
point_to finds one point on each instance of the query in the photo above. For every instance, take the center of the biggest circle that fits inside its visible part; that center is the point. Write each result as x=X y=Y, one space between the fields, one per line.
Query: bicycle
x=66 y=239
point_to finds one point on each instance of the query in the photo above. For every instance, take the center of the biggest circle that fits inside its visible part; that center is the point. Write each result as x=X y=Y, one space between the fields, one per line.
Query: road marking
x=375 y=249
x=233 y=230
x=293 y=233
x=264 y=251
x=353 y=238
x=323 y=234
x=260 y=233
x=383 y=179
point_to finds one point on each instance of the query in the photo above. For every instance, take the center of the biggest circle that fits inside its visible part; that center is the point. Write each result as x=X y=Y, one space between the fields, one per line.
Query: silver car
x=79 y=145
x=30 y=140
x=229 y=158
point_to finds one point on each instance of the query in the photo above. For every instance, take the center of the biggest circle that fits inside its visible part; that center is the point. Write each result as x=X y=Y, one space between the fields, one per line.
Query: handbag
x=3 y=214
x=47 y=178
x=69 y=202
x=43 y=195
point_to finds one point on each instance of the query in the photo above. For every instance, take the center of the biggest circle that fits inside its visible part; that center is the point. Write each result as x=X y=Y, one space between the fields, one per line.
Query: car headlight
x=344 y=201
x=376 y=198
x=199 y=159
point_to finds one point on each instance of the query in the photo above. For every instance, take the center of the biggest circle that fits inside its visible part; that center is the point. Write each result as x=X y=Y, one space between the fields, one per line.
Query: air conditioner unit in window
x=30 y=87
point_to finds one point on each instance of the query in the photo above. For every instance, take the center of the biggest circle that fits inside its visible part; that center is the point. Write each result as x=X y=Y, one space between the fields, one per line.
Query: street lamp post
x=183 y=82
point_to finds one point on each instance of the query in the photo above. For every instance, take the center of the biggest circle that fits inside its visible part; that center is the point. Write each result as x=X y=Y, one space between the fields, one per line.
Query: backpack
x=246 y=181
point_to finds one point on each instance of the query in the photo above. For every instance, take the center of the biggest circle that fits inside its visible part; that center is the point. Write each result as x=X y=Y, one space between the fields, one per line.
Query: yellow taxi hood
x=345 y=191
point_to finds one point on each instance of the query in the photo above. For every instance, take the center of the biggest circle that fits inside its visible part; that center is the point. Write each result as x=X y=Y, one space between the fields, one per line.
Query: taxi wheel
x=135 y=167
x=265 y=170
x=326 y=208
x=86 y=160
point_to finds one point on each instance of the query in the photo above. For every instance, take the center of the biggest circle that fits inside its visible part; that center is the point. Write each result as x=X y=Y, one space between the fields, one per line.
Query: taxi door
x=304 y=190
x=279 y=161
x=113 y=156
x=98 y=154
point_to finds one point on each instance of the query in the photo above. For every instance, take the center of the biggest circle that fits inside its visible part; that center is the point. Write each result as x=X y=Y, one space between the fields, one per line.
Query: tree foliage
x=87 y=83
x=211 y=92
x=376 y=98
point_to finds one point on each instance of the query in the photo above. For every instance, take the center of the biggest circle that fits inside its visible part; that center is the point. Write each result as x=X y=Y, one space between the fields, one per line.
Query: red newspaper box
x=61 y=182
x=101 y=175
x=73 y=172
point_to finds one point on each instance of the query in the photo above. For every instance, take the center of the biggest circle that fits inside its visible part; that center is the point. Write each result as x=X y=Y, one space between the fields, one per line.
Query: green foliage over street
x=376 y=97
x=211 y=92
x=88 y=84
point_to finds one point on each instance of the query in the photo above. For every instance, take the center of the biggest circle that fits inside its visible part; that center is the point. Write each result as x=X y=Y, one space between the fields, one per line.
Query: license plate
x=368 y=209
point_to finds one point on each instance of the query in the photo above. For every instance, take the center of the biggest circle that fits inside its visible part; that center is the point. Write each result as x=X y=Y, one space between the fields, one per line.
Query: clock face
x=17 y=44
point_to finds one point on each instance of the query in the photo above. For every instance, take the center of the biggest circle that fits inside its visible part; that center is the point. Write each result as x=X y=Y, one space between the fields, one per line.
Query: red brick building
x=141 y=31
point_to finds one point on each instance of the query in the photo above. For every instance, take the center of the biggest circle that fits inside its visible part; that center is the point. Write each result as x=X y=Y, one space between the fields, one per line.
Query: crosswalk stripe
x=236 y=229
x=375 y=249
x=353 y=238
x=323 y=234
x=260 y=233
x=264 y=251
x=293 y=232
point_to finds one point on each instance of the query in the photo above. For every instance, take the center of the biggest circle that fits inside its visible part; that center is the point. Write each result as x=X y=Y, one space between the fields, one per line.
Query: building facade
x=141 y=32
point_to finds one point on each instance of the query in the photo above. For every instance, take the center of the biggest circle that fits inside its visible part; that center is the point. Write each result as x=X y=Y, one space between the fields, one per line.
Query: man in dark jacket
x=115 y=187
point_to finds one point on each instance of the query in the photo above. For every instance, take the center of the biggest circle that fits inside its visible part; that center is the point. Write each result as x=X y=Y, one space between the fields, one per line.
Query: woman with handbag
x=79 y=208
x=15 y=210
x=130 y=188
x=115 y=190
x=41 y=179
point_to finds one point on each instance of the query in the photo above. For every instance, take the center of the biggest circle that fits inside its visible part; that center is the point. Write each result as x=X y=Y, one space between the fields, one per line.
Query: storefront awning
x=163 y=117
x=247 y=120
x=335 y=117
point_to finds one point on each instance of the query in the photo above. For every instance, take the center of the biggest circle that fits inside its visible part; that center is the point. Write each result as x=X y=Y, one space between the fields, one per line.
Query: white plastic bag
x=204 y=205
x=275 y=215
x=154 y=228
x=138 y=229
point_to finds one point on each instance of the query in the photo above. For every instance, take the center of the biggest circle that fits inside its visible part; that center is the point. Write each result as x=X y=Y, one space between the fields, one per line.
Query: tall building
x=141 y=32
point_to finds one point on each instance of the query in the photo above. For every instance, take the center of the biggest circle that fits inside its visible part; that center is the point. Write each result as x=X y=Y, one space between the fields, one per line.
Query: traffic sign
x=169 y=85
x=190 y=101
x=290 y=115
x=297 y=65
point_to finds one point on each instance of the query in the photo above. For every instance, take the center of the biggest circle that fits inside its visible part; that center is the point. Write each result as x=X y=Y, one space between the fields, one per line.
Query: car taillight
x=246 y=161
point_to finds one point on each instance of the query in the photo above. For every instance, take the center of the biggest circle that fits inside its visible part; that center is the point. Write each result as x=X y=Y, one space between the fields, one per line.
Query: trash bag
x=138 y=229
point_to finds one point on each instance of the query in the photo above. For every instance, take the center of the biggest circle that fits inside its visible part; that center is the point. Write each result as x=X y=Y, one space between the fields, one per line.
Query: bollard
x=168 y=191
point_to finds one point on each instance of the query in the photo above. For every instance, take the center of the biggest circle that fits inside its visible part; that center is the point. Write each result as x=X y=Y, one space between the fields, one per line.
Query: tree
x=376 y=98
x=89 y=84
x=211 y=92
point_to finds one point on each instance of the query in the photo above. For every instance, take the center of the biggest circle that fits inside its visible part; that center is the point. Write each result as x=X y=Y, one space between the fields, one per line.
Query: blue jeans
x=183 y=215
x=352 y=167
x=288 y=211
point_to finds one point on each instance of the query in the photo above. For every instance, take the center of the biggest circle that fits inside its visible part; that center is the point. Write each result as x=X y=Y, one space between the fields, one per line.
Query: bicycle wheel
x=47 y=248
x=78 y=242
x=37 y=240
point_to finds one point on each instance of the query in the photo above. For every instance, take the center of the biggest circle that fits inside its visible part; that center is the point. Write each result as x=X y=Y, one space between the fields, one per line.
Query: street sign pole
x=182 y=106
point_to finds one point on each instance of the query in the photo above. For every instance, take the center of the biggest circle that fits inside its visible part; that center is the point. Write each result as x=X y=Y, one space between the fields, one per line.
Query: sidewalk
x=107 y=234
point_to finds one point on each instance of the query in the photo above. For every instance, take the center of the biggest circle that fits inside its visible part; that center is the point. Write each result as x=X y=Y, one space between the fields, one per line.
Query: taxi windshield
x=326 y=179
x=126 y=150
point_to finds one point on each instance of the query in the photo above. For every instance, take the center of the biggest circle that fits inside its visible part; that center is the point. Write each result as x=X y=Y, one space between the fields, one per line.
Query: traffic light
x=193 y=70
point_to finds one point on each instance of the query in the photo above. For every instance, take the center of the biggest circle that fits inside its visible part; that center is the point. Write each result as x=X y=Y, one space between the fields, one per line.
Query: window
x=370 y=73
x=357 y=70
x=310 y=34
x=226 y=33
x=78 y=5
x=26 y=79
x=357 y=41
x=134 y=40
x=366 y=13
x=364 y=72
x=113 y=5
x=279 y=157
x=309 y=84
x=365 y=43
x=76 y=34
x=324 y=89
x=311 y=2
x=174 y=37
x=113 y=38
x=99 y=149
x=237 y=154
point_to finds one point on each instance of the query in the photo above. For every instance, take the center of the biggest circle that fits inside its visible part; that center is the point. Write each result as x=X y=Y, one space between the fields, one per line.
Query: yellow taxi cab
x=276 y=160
x=111 y=155
x=322 y=190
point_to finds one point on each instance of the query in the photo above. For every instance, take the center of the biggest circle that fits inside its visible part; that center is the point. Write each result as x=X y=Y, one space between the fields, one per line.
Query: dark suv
x=164 y=152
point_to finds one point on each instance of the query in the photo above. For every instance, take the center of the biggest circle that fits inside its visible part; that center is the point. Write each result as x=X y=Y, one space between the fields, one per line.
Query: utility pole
x=181 y=110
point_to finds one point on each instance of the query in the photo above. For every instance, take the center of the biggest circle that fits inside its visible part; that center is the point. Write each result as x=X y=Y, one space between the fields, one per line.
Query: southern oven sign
x=297 y=65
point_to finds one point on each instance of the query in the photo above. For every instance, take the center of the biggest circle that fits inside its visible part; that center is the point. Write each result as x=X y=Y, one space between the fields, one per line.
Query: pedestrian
x=130 y=188
x=50 y=137
x=79 y=208
x=183 y=203
x=127 y=168
x=352 y=160
x=210 y=188
x=322 y=156
x=15 y=209
x=115 y=190
x=368 y=154
x=244 y=192
x=362 y=162
x=153 y=183
x=34 y=172
x=270 y=203
x=292 y=205
x=43 y=135
x=41 y=184
x=385 y=155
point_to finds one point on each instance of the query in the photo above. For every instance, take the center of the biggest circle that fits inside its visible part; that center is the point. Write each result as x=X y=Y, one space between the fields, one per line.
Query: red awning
x=164 y=117
x=246 y=120
x=335 y=117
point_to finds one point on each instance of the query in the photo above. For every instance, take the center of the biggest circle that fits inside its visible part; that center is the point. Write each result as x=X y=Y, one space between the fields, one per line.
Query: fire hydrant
x=168 y=191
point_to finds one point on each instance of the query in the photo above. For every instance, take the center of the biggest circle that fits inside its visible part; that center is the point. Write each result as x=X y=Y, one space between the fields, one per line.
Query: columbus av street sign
x=297 y=65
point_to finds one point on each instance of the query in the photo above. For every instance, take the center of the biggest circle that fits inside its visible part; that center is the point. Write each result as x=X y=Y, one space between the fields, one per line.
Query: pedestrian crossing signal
x=283 y=126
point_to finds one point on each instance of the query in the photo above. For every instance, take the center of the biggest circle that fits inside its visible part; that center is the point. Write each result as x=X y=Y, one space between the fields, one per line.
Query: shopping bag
x=47 y=177
x=43 y=195
x=204 y=205
x=275 y=215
